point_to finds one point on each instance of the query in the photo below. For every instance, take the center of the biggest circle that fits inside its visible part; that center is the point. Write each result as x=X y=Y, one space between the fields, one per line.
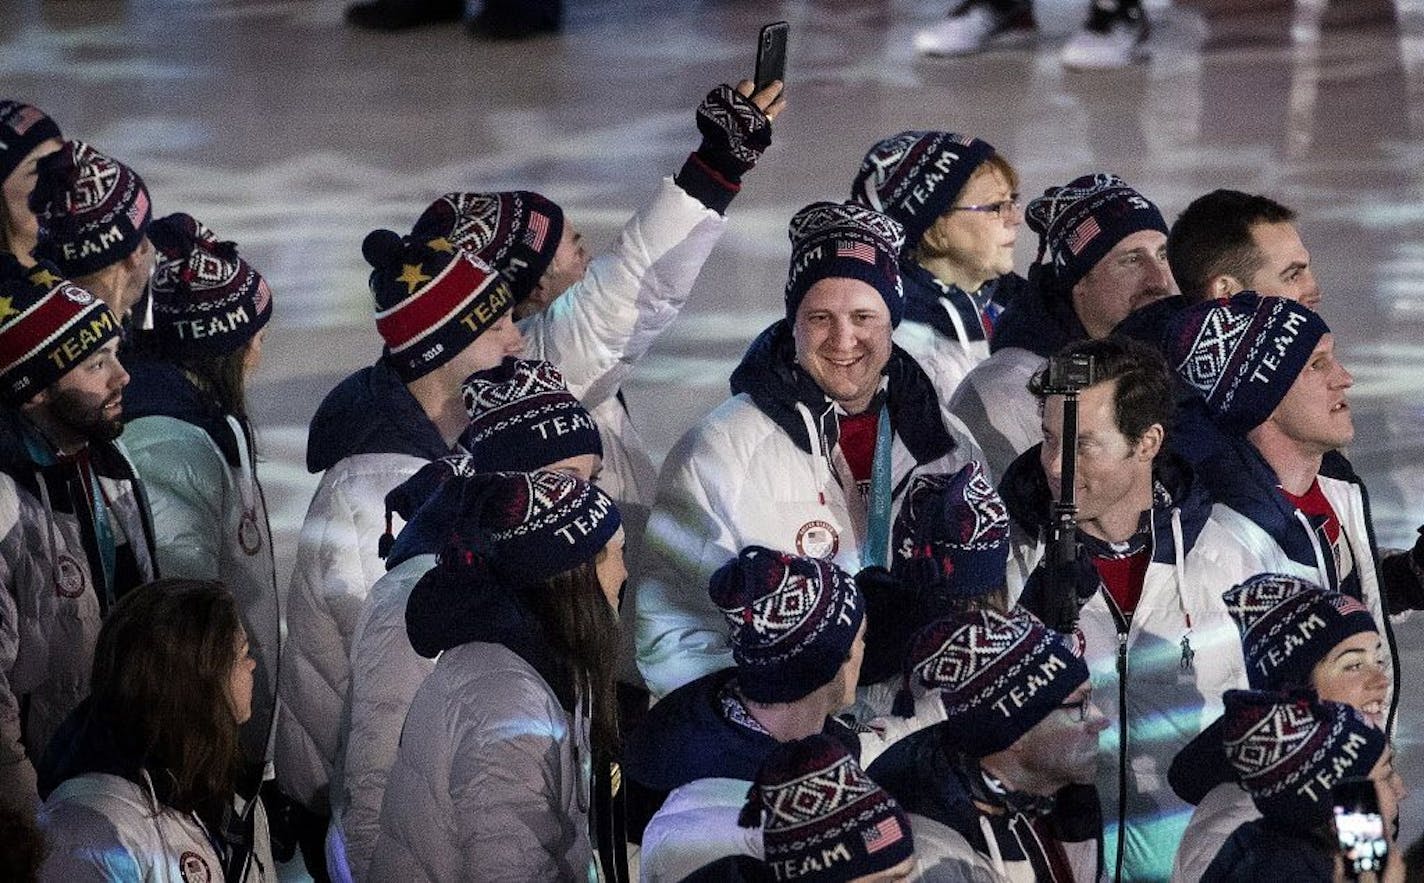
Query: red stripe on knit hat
x=51 y=315
x=432 y=306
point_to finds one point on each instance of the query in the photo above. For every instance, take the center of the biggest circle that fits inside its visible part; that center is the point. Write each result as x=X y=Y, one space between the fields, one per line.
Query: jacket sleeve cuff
x=706 y=185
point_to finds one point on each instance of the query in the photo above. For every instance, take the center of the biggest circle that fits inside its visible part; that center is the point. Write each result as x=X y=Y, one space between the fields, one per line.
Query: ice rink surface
x=293 y=135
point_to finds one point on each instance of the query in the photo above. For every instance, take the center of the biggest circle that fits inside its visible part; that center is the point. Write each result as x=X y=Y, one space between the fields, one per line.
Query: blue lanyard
x=98 y=510
x=877 y=540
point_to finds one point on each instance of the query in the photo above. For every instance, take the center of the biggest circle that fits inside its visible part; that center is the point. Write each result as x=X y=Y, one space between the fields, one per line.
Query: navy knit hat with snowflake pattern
x=93 y=211
x=834 y=241
x=206 y=299
x=522 y=416
x=914 y=177
x=1243 y=353
x=998 y=675
x=1289 y=625
x=514 y=231
x=1290 y=750
x=23 y=127
x=822 y=817
x=793 y=621
x=1079 y=223
x=951 y=536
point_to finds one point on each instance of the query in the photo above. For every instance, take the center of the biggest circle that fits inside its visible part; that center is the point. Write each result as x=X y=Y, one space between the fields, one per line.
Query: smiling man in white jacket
x=811 y=455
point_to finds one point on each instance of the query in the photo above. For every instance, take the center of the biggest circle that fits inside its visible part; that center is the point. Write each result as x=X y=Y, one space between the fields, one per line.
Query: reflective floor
x=294 y=136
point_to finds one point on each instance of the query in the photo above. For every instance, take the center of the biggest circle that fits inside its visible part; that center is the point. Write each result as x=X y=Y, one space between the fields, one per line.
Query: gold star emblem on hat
x=412 y=277
x=441 y=244
x=42 y=276
x=7 y=308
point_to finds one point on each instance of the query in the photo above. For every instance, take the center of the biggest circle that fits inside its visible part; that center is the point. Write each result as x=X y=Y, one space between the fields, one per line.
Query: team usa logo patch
x=194 y=868
x=70 y=581
x=818 y=539
x=249 y=535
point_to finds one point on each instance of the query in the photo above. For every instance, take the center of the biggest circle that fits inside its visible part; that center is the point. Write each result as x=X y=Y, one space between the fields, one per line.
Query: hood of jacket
x=159 y=388
x=927 y=782
x=1201 y=765
x=1038 y=320
x=769 y=375
x=370 y=412
x=924 y=291
x=430 y=503
x=1025 y=492
x=685 y=737
x=84 y=743
x=458 y=601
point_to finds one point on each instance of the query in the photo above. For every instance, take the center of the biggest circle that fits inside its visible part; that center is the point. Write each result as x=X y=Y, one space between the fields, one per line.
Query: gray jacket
x=492 y=781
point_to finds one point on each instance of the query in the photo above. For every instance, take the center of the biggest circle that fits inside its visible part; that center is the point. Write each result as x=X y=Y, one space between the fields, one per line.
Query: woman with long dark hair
x=493 y=779
x=188 y=434
x=141 y=780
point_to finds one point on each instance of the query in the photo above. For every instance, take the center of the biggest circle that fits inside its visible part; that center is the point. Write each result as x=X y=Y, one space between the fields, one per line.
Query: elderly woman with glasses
x=958 y=201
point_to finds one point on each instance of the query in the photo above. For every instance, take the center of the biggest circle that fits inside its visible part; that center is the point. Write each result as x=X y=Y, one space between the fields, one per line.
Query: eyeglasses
x=997 y=209
x=1081 y=706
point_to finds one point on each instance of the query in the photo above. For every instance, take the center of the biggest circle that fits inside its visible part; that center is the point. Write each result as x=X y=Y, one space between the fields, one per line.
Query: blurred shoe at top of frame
x=976 y=25
x=515 y=20
x=401 y=15
x=1114 y=36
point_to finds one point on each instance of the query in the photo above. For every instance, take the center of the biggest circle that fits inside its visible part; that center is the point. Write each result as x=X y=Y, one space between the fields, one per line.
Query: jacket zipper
x=1122 y=629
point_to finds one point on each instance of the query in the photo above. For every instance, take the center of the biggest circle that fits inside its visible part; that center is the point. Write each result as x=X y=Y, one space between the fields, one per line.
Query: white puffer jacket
x=594 y=333
x=210 y=522
x=1232 y=548
x=994 y=401
x=1224 y=809
x=493 y=779
x=100 y=827
x=386 y=673
x=738 y=479
x=598 y=330
x=1157 y=692
x=50 y=609
x=337 y=563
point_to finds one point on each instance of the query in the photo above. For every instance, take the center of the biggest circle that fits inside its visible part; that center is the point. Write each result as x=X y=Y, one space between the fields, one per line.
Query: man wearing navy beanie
x=1102 y=254
x=1276 y=396
x=827 y=424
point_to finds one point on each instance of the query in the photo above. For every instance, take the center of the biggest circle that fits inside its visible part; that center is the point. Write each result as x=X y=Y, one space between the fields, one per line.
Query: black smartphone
x=771 y=54
x=1359 y=828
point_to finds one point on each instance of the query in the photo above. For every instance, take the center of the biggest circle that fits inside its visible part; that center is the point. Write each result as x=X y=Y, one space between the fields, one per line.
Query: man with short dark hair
x=74 y=529
x=1228 y=241
x=1161 y=650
